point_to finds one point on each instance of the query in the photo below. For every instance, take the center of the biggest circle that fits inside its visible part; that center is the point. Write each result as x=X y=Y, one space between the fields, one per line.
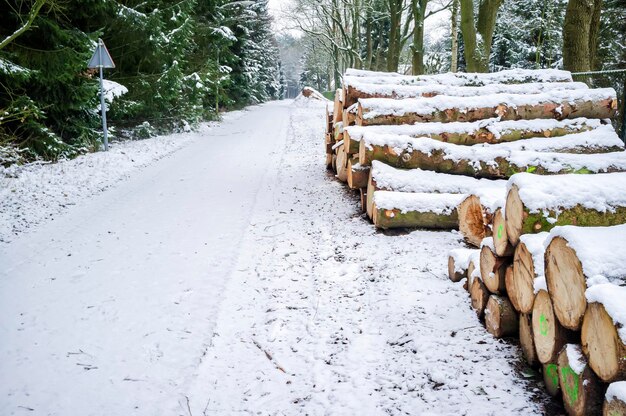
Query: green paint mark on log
x=500 y=228
x=553 y=376
x=543 y=325
x=531 y=169
x=571 y=387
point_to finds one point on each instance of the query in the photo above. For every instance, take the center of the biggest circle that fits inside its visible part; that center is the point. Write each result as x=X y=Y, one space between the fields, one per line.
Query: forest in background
x=181 y=61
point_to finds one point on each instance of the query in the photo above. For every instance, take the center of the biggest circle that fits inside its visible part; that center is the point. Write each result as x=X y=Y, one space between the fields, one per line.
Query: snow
x=603 y=192
x=309 y=96
x=442 y=204
x=113 y=89
x=616 y=390
x=535 y=245
x=613 y=298
x=475 y=259
x=462 y=257
x=190 y=285
x=493 y=125
x=9 y=68
x=492 y=193
x=374 y=107
x=595 y=247
x=575 y=358
x=540 y=283
x=488 y=242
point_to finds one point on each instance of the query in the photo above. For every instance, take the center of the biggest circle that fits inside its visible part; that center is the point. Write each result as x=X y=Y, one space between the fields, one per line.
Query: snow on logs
x=461 y=263
x=597 y=103
x=575 y=258
x=538 y=203
x=483 y=131
x=424 y=210
x=598 y=152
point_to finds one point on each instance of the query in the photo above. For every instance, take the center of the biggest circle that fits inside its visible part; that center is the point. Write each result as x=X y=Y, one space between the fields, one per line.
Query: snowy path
x=236 y=277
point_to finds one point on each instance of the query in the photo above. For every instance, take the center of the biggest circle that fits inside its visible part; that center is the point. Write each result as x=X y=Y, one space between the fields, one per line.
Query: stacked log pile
x=526 y=166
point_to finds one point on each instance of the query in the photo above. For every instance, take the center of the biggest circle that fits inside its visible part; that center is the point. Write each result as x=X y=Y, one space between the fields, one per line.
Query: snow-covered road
x=236 y=277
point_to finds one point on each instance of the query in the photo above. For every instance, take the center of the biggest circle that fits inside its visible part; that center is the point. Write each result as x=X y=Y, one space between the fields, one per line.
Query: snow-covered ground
x=235 y=276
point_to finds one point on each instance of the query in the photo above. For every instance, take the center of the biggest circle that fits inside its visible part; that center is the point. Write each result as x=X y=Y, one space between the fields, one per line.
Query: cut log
x=550 y=373
x=538 y=203
x=342 y=164
x=474 y=219
x=338 y=107
x=329 y=161
x=357 y=174
x=473 y=212
x=615 y=400
x=479 y=296
x=549 y=335
x=500 y=317
x=363 y=195
x=575 y=254
x=603 y=332
x=500 y=241
x=490 y=131
x=338 y=132
x=528 y=262
x=349 y=116
x=598 y=103
x=415 y=210
x=359 y=88
x=583 y=393
x=493 y=268
x=494 y=161
x=459 y=260
x=527 y=340
x=352 y=145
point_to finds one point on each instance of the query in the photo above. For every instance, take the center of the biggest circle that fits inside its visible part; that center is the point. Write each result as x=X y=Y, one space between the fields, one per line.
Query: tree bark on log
x=527 y=340
x=383 y=111
x=500 y=317
x=602 y=344
x=520 y=220
x=582 y=391
x=493 y=270
x=479 y=296
x=387 y=215
x=549 y=335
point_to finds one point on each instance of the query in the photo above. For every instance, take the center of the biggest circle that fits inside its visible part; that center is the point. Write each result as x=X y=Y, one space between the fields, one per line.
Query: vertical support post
x=102 y=103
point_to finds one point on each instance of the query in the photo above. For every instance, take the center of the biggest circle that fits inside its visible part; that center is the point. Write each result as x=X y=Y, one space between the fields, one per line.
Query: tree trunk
x=526 y=339
x=415 y=210
x=500 y=317
x=417 y=48
x=454 y=31
x=580 y=34
x=477 y=52
x=549 y=335
x=393 y=51
x=602 y=344
x=582 y=391
x=493 y=270
x=520 y=219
